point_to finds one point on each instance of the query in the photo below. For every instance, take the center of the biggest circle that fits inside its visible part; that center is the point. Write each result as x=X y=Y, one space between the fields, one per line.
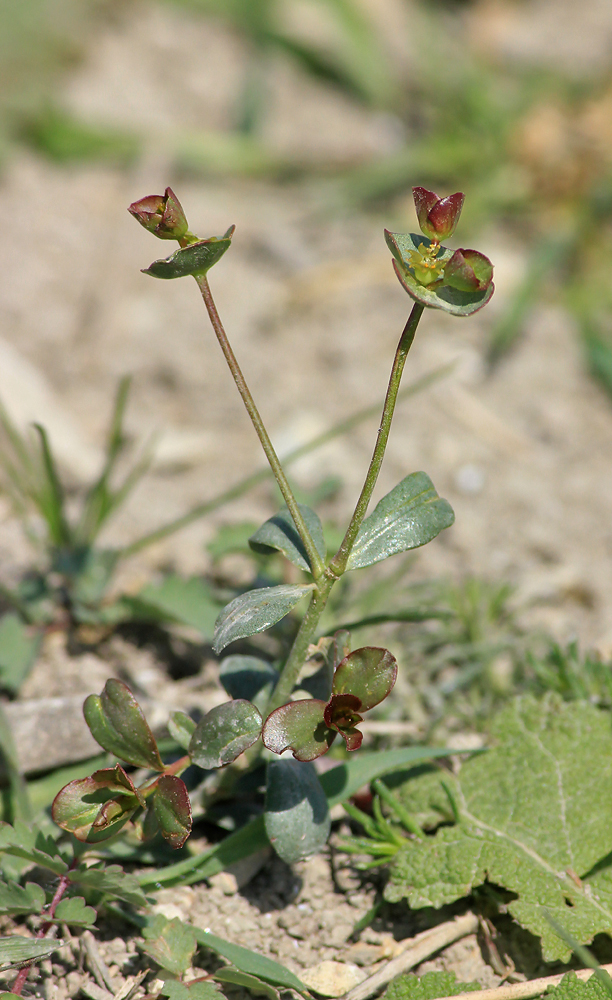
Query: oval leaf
x=369 y=673
x=279 y=534
x=256 y=611
x=300 y=727
x=296 y=816
x=197 y=258
x=181 y=727
x=119 y=726
x=451 y=300
x=248 y=677
x=224 y=733
x=78 y=807
x=172 y=809
x=409 y=516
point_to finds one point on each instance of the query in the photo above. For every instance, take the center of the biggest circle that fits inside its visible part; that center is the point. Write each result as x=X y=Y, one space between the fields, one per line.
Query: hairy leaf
x=171 y=943
x=407 y=517
x=195 y=259
x=16 y=950
x=74 y=911
x=181 y=727
x=224 y=733
x=450 y=300
x=256 y=611
x=110 y=881
x=573 y=988
x=296 y=815
x=369 y=673
x=119 y=726
x=427 y=987
x=172 y=809
x=280 y=534
x=528 y=822
x=16 y=898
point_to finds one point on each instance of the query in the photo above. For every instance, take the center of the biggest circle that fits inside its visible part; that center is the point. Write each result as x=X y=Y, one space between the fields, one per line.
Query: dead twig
x=417 y=950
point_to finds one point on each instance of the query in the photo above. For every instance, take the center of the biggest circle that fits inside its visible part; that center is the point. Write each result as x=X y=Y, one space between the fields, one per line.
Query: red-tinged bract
x=438 y=217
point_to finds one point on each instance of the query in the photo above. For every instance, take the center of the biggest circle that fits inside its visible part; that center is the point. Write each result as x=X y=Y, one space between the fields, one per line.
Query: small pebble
x=332 y=979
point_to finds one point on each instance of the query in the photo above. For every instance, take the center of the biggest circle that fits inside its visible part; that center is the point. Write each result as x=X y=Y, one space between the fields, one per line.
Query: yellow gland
x=427 y=269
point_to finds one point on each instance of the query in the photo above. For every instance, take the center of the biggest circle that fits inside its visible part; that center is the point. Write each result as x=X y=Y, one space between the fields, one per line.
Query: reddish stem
x=63 y=884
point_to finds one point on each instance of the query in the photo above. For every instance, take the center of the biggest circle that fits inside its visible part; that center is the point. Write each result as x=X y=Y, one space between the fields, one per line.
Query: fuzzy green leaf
x=451 y=300
x=407 y=517
x=74 y=911
x=18 y=649
x=256 y=611
x=528 y=822
x=110 y=881
x=17 y=950
x=254 y=985
x=280 y=534
x=427 y=987
x=171 y=943
x=573 y=988
x=16 y=898
x=224 y=733
x=369 y=673
x=296 y=815
x=195 y=259
x=117 y=723
x=181 y=727
x=172 y=809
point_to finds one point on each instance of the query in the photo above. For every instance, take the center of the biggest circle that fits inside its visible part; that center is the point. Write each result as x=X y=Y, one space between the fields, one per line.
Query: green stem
x=316 y=563
x=338 y=564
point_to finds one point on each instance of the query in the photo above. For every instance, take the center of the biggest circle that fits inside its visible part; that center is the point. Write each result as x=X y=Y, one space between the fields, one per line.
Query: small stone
x=225 y=881
x=168 y=910
x=365 y=954
x=332 y=979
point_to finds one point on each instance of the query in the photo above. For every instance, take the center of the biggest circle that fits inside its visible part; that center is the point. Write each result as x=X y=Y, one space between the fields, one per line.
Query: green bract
x=436 y=296
x=195 y=259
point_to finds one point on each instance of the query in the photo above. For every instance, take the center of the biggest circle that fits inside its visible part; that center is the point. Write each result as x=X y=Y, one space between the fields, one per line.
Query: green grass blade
x=51 y=494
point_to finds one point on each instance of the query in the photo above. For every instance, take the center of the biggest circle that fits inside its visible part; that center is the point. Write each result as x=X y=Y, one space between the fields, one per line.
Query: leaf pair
x=308 y=728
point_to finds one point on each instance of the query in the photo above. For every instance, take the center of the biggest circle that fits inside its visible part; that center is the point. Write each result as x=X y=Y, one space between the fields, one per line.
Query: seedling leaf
x=118 y=724
x=172 y=809
x=171 y=943
x=296 y=816
x=527 y=823
x=23 y=841
x=195 y=259
x=111 y=881
x=16 y=898
x=74 y=911
x=256 y=611
x=280 y=534
x=224 y=733
x=406 y=518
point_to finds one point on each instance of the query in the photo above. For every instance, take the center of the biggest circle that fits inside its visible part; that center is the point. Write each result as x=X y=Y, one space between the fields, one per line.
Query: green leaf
x=23 y=841
x=172 y=809
x=427 y=987
x=74 y=911
x=339 y=783
x=17 y=950
x=18 y=649
x=250 y=962
x=573 y=988
x=181 y=727
x=171 y=943
x=451 y=300
x=224 y=733
x=195 y=259
x=279 y=534
x=16 y=898
x=369 y=673
x=299 y=726
x=119 y=726
x=534 y=819
x=296 y=816
x=407 y=517
x=111 y=881
x=175 y=990
x=96 y=807
x=189 y=602
x=18 y=804
x=229 y=974
x=256 y=611
x=247 y=677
